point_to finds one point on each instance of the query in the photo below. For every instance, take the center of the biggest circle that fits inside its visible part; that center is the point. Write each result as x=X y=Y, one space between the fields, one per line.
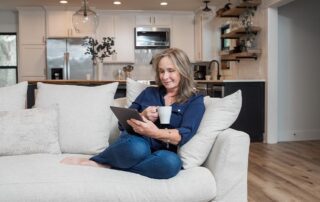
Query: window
x=8 y=59
x=225 y=43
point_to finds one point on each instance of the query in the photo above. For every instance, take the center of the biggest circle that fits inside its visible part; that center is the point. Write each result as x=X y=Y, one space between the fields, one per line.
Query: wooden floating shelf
x=250 y=54
x=241 y=8
x=237 y=33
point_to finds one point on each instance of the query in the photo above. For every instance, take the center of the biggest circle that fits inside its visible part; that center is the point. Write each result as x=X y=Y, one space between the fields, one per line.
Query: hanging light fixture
x=207 y=12
x=85 y=20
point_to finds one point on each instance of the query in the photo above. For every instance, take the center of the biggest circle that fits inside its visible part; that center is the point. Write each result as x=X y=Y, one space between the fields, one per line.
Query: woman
x=152 y=149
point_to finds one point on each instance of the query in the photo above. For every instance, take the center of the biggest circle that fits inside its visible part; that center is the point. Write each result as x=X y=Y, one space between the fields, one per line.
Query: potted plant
x=98 y=52
x=246 y=22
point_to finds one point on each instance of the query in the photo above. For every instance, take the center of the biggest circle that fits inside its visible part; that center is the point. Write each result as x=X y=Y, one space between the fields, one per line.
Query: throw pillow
x=114 y=129
x=134 y=88
x=29 y=131
x=219 y=115
x=13 y=97
x=84 y=115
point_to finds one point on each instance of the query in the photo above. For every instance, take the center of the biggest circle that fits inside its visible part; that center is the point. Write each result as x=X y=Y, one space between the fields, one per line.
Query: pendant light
x=207 y=12
x=85 y=20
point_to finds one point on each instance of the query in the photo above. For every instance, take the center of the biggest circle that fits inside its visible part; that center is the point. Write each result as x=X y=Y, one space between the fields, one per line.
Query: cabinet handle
x=154 y=20
x=150 y=20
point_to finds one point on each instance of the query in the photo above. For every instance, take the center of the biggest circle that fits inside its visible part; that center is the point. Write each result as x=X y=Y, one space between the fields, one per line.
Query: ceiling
x=178 y=5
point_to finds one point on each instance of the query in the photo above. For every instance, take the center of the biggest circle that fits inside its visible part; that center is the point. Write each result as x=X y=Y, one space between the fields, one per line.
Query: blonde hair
x=182 y=63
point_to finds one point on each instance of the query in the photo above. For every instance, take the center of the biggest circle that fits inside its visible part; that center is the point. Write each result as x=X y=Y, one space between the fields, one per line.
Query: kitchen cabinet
x=32 y=63
x=124 y=38
x=182 y=33
x=31 y=25
x=59 y=23
x=31 y=43
x=153 y=19
x=121 y=27
x=251 y=118
x=203 y=36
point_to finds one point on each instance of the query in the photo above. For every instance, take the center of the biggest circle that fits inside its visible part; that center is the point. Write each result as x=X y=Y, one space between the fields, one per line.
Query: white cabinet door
x=32 y=61
x=182 y=33
x=204 y=35
x=124 y=38
x=59 y=24
x=105 y=29
x=150 y=19
x=164 y=20
x=31 y=25
x=198 y=37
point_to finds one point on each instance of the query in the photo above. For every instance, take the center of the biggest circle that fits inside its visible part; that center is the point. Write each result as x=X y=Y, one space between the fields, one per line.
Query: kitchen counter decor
x=98 y=52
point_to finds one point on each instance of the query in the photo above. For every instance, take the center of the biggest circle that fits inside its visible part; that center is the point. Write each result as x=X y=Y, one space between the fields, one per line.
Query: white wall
x=8 y=21
x=299 y=71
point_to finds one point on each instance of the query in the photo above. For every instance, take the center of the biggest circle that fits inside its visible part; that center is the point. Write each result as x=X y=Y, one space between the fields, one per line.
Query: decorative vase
x=94 y=69
x=97 y=70
x=100 y=70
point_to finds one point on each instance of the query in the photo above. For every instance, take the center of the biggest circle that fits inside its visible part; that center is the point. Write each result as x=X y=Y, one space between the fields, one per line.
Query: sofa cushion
x=84 y=115
x=114 y=127
x=219 y=115
x=134 y=88
x=29 y=131
x=40 y=177
x=13 y=97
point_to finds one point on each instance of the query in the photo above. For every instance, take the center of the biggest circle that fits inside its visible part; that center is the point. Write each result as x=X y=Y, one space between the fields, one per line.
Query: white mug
x=164 y=114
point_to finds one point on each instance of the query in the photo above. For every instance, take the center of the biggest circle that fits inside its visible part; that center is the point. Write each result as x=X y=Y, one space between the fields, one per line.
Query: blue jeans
x=133 y=153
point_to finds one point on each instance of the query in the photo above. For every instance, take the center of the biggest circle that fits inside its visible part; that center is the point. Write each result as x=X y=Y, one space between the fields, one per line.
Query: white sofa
x=40 y=177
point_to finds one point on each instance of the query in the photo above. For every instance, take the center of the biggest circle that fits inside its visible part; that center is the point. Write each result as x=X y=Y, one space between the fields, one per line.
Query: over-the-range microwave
x=152 y=37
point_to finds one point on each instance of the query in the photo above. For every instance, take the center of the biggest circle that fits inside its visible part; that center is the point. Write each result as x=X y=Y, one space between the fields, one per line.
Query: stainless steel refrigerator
x=66 y=59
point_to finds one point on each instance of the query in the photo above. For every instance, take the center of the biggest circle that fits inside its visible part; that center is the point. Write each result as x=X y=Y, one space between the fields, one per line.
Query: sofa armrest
x=228 y=161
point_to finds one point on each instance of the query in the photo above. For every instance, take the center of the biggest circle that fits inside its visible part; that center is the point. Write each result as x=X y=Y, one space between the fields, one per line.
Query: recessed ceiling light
x=164 y=3
x=117 y=2
x=63 y=1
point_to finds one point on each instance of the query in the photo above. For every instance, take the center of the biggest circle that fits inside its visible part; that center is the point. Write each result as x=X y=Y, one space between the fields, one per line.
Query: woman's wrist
x=165 y=135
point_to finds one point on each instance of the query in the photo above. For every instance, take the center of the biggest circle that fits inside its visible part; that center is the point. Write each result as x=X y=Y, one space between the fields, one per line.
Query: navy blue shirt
x=185 y=117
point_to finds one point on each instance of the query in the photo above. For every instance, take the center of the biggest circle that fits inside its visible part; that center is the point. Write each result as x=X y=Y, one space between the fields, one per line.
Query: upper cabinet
x=121 y=27
x=203 y=36
x=182 y=33
x=153 y=20
x=31 y=43
x=124 y=38
x=31 y=25
x=59 y=23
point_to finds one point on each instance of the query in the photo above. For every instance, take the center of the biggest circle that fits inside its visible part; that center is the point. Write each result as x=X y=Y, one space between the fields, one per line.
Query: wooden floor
x=288 y=171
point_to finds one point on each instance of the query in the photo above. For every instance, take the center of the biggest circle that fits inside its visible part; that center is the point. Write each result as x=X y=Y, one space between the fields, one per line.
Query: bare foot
x=72 y=160
x=93 y=163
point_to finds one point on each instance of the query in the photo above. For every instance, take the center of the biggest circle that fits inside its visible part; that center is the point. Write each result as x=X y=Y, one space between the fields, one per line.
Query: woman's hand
x=151 y=113
x=145 y=127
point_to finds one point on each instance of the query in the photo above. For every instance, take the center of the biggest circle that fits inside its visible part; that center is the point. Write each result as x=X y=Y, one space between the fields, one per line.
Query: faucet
x=217 y=62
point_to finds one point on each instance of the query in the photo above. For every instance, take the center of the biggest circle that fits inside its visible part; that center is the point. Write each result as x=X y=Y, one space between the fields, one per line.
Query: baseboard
x=296 y=135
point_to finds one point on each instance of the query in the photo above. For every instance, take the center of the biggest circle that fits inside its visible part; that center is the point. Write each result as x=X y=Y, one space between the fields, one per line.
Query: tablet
x=124 y=114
